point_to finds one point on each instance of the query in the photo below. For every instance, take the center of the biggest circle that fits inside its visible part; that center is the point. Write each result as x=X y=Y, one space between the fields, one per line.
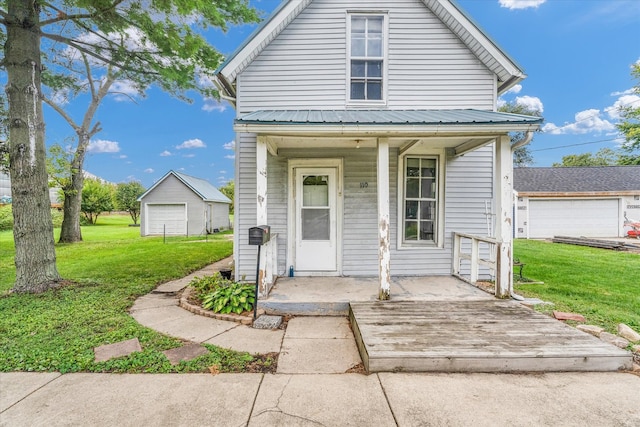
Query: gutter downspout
x=527 y=139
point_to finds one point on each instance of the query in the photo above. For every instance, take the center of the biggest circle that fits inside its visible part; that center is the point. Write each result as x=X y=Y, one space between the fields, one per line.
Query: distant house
x=180 y=204
x=367 y=134
x=575 y=201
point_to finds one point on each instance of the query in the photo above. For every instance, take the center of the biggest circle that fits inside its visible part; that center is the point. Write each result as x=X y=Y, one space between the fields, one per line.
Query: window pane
x=410 y=230
x=428 y=167
x=375 y=24
x=315 y=191
x=426 y=230
x=427 y=210
x=413 y=188
x=374 y=47
x=411 y=210
x=428 y=188
x=357 y=90
x=374 y=69
x=315 y=224
x=374 y=90
x=413 y=167
x=358 y=24
x=358 y=68
x=358 y=46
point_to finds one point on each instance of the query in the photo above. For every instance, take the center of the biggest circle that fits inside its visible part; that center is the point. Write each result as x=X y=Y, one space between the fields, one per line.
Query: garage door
x=169 y=219
x=577 y=217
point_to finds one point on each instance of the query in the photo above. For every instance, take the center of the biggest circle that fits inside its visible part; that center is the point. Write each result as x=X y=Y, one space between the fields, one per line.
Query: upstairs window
x=367 y=57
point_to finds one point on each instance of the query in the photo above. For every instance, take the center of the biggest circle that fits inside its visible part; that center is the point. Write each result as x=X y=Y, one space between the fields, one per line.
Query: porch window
x=420 y=200
x=367 y=57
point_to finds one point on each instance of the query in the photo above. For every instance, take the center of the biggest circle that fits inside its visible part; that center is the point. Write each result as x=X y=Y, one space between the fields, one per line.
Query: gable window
x=367 y=57
x=420 y=203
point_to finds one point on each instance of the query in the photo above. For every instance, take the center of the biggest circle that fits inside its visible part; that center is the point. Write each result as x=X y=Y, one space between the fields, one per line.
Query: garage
x=169 y=219
x=573 y=217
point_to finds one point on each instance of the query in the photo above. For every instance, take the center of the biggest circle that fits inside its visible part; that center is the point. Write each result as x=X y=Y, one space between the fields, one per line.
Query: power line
x=575 y=145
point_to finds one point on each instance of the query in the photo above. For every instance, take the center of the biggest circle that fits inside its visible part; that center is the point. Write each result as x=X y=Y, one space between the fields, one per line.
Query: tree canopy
x=147 y=42
x=603 y=157
x=126 y=198
x=630 y=115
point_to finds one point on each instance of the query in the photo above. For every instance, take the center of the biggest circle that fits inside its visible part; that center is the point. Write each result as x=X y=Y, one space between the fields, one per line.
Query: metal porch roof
x=385 y=117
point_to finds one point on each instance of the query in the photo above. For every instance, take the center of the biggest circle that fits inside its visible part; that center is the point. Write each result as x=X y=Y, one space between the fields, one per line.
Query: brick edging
x=184 y=303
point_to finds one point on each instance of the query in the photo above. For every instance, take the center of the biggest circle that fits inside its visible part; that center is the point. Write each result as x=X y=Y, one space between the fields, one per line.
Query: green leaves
x=234 y=298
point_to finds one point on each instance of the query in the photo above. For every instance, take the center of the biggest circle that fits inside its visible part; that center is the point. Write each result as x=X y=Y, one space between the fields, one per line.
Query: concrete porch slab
x=245 y=338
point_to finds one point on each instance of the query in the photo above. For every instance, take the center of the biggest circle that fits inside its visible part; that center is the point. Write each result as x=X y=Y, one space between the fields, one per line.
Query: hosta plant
x=235 y=298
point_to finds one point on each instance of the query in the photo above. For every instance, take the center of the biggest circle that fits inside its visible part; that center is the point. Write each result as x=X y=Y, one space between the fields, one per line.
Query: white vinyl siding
x=305 y=67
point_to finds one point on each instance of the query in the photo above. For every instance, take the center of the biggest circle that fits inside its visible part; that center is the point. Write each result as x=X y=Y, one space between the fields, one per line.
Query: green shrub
x=206 y=285
x=6 y=218
x=235 y=298
x=56 y=217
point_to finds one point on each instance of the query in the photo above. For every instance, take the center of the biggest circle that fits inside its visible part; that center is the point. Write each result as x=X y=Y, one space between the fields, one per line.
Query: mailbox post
x=258 y=236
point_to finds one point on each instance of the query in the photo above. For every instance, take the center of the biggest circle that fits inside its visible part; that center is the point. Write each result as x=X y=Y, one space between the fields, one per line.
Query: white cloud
x=124 y=90
x=231 y=145
x=626 y=92
x=165 y=153
x=531 y=102
x=230 y=156
x=515 y=90
x=624 y=101
x=189 y=155
x=149 y=170
x=211 y=104
x=587 y=121
x=103 y=146
x=222 y=172
x=520 y=4
x=191 y=143
x=122 y=156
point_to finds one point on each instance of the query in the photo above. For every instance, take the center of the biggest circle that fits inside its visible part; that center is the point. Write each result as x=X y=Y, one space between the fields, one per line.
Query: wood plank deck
x=474 y=336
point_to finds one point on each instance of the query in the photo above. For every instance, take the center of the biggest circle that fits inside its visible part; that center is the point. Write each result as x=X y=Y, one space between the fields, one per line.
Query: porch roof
x=428 y=121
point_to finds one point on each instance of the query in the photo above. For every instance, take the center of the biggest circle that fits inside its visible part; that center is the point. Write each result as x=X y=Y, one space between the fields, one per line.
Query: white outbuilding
x=179 y=204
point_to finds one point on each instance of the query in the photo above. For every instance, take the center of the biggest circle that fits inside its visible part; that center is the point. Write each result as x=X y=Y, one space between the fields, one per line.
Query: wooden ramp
x=474 y=336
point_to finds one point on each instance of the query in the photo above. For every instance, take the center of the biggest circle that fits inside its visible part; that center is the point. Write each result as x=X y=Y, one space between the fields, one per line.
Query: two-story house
x=367 y=134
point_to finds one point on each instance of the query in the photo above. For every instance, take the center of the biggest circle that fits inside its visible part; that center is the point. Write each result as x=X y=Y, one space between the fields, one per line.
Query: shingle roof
x=577 y=179
x=385 y=117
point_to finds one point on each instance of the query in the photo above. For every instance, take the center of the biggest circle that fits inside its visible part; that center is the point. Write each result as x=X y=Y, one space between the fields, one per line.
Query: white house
x=179 y=204
x=367 y=134
x=576 y=201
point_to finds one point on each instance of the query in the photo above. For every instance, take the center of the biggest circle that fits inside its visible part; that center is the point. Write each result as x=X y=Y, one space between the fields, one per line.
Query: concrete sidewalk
x=390 y=399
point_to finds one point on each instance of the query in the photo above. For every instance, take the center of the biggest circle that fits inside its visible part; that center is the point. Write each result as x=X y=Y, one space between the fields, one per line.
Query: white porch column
x=261 y=180
x=261 y=207
x=504 y=219
x=384 y=253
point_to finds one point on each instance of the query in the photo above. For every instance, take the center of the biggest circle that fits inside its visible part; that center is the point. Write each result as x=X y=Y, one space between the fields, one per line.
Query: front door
x=316 y=224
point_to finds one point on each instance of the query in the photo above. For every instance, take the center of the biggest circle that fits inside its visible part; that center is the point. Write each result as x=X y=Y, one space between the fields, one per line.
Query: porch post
x=261 y=205
x=384 y=254
x=504 y=208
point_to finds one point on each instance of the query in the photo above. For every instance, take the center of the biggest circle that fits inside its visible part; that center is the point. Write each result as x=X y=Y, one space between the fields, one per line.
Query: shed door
x=316 y=220
x=574 y=217
x=169 y=219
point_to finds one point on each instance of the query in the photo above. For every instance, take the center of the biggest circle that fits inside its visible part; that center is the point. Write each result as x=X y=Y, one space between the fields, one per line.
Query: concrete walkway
x=311 y=386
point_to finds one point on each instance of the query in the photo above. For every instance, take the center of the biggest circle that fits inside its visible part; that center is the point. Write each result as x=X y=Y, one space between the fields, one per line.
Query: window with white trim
x=367 y=57
x=420 y=202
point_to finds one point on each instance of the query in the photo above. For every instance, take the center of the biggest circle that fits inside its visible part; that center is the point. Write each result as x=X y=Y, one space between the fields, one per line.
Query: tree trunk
x=35 y=257
x=72 y=206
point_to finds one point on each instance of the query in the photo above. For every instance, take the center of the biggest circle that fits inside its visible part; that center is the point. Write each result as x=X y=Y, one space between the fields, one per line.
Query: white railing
x=482 y=251
x=268 y=266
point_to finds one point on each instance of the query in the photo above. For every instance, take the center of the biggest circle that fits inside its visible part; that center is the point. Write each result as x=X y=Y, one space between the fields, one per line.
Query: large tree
x=604 y=157
x=126 y=198
x=630 y=114
x=522 y=156
x=168 y=51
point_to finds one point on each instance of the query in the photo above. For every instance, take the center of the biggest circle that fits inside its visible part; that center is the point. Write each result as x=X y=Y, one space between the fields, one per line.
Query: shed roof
x=577 y=179
x=484 y=48
x=203 y=188
x=385 y=117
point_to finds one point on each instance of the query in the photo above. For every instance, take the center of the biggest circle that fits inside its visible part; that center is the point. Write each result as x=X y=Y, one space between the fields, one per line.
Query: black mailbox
x=259 y=235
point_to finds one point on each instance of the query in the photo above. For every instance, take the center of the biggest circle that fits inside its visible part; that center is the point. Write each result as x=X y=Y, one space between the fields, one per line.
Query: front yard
x=602 y=285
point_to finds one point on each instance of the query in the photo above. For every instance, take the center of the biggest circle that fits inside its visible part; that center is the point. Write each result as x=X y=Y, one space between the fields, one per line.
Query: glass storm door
x=316 y=236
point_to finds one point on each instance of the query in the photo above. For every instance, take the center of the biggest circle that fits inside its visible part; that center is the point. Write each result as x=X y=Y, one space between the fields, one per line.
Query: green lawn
x=56 y=331
x=603 y=285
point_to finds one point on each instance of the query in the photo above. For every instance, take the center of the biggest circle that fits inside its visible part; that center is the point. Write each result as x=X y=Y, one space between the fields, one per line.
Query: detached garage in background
x=575 y=201
x=183 y=205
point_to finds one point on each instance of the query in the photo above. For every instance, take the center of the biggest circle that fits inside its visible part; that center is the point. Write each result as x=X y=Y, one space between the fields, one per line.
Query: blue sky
x=577 y=55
